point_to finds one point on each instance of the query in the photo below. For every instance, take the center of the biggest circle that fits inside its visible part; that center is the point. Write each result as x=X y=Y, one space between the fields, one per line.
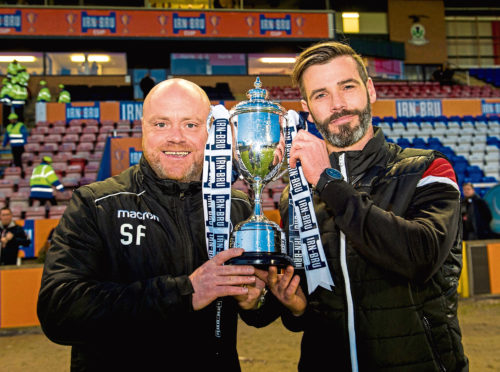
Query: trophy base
x=261 y=260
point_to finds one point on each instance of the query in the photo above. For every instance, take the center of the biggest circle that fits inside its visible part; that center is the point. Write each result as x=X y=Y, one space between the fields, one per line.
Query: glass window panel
x=270 y=64
x=78 y=63
x=32 y=61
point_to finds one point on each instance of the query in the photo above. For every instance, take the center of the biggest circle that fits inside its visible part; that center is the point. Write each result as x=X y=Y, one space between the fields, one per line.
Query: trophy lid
x=257 y=101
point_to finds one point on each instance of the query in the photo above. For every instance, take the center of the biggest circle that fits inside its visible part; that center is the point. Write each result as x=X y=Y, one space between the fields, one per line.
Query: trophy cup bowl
x=258 y=124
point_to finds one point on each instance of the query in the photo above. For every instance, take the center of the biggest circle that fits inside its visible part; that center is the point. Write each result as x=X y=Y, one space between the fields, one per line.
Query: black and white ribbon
x=304 y=237
x=216 y=184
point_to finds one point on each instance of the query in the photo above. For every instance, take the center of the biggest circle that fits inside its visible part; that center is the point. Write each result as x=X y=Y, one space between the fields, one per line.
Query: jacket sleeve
x=414 y=245
x=5 y=139
x=78 y=303
x=21 y=238
x=25 y=133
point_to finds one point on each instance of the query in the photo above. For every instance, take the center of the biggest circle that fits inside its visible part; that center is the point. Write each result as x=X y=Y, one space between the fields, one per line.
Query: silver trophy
x=259 y=128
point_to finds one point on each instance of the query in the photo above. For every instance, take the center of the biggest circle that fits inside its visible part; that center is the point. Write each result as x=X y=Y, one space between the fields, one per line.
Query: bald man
x=127 y=280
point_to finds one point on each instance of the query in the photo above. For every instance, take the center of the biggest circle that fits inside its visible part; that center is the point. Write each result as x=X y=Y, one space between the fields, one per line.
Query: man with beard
x=127 y=280
x=390 y=227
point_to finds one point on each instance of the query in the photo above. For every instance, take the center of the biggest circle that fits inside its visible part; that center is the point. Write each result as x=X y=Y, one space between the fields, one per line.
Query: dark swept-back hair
x=322 y=53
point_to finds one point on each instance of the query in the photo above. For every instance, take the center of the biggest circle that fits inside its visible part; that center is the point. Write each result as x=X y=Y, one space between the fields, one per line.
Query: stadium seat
x=57 y=130
x=35 y=212
x=13 y=173
x=56 y=211
x=32 y=147
x=36 y=138
x=71 y=137
x=39 y=130
x=88 y=137
x=74 y=130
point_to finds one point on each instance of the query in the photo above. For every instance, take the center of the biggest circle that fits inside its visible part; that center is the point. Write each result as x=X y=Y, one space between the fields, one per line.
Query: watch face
x=333 y=173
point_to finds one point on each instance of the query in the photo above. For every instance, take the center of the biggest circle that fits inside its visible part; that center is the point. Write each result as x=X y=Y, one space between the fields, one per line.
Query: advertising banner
x=164 y=23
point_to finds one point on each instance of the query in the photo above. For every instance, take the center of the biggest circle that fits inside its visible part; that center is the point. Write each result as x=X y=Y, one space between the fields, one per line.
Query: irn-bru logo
x=189 y=24
x=275 y=25
x=11 y=20
x=99 y=22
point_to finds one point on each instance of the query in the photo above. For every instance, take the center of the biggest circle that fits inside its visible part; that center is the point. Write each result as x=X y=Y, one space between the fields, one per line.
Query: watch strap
x=328 y=175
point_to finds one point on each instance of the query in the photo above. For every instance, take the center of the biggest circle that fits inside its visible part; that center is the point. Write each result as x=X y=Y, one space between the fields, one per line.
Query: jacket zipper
x=437 y=357
x=182 y=226
x=345 y=273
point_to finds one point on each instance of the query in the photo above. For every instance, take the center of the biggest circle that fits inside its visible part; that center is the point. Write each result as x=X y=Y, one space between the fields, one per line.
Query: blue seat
x=403 y=142
x=489 y=179
x=419 y=143
x=434 y=142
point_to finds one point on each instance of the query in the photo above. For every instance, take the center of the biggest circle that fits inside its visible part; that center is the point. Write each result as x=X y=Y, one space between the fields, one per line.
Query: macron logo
x=139 y=215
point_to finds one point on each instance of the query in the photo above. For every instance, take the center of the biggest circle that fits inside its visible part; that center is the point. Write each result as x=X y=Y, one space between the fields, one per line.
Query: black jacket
x=8 y=255
x=476 y=216
x=403 y=257
x=115 y=284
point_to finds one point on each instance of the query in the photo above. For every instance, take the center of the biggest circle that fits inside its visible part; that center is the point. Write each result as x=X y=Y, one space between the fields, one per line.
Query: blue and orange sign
x=164 y=23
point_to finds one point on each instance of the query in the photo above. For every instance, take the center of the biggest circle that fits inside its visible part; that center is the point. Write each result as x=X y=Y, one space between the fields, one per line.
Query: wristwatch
x=328 y=175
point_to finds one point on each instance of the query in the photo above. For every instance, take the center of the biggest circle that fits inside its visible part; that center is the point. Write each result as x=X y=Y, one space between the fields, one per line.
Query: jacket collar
x=358 y=162
x=149 y=180
x=11 y=224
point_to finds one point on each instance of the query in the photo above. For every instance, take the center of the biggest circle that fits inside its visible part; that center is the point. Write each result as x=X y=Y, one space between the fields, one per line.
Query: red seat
x=74 y=130
x=32 y=147
x=42 y=123
x=90 y=122
x=36 y=138
x=13 y=173
x=40 y=130
x=57 y=130
x=106 y=129
x=56 y=211
x=59 y=123
x=35 y=212
x=90 y=129
x=70 y=137
x=67 y=147
x=49 y=147
x=88 y=137
x=85 y=146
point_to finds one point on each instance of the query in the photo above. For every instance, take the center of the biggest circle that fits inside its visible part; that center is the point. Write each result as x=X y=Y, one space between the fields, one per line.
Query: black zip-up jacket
x=115 y=284
x=401 y=221
x=8 y=255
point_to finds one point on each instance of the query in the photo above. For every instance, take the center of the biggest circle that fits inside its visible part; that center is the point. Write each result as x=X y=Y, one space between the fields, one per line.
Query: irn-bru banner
x=164 y=23
x=132 y=110
x=435 y=107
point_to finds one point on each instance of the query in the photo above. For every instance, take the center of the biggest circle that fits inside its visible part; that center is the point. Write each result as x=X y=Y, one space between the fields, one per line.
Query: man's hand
x=249 y=301
x=312 y=153
x=213 y=279
x=285 y=288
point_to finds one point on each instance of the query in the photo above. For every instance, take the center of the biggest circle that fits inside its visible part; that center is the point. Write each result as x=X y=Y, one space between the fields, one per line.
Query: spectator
x=42 y=180
x=476 y=215
x=147 y=83
x=16 y=135
x=12 y=236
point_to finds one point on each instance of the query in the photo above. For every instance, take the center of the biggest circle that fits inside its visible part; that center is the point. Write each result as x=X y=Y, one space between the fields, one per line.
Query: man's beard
x=193 y=173
x=346 y=135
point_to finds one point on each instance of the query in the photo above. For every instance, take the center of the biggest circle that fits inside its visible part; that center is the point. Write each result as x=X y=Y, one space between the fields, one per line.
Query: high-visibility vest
x=64 y=97
x=41 y=181
x=44 y=95
x=15 y=134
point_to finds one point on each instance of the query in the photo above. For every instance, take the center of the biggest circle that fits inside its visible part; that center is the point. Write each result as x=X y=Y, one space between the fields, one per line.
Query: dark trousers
x=17 y=153
x=43 y=201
